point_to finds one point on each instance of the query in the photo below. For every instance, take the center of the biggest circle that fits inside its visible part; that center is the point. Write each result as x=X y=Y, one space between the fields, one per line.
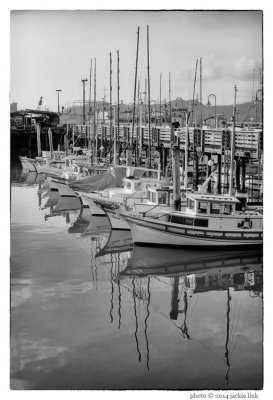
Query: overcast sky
x=52 y=50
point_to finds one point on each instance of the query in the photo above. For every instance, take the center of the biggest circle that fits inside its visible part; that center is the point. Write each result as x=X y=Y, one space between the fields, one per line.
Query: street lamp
x=209 y=104
x=58 y=91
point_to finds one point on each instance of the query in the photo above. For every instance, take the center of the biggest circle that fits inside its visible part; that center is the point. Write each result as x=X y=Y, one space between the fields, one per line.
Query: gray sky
x=52 y=50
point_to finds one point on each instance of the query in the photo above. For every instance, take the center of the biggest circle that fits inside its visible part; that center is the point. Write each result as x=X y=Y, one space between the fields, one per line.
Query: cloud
x=242 y=69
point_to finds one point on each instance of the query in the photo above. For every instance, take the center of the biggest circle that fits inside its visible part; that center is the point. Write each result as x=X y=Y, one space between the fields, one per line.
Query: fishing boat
x=208 y=220
x=159 y=201
x=134 y=190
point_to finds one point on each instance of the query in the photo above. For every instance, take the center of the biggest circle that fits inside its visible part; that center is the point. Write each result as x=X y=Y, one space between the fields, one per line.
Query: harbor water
x=91 y=311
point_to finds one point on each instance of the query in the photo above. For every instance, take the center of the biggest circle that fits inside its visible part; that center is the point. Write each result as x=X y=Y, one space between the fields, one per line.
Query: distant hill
x=246 y=111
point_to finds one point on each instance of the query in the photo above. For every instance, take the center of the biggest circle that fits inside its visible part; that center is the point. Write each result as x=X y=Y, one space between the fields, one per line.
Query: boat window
x=190 y=204
x=153 y=197
x=227 y=209
x=215 y=208
x=202 y=207
x=162 y=197
x=201 y=222
x=177 y=219
x=149 y=195
x=128 y=185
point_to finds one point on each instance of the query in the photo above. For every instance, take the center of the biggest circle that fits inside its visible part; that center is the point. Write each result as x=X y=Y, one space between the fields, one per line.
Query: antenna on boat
x=134 y=104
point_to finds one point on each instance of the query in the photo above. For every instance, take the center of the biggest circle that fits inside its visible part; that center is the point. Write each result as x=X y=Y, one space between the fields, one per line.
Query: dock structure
x=208 y=148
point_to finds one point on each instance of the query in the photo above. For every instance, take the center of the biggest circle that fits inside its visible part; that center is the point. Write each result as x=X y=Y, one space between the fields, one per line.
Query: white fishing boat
x=159 y=201
x=134 y=190
x=208 y=220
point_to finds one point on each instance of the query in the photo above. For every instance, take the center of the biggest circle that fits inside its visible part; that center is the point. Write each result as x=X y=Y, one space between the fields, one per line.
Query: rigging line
x=146 y=324
x=136 y=321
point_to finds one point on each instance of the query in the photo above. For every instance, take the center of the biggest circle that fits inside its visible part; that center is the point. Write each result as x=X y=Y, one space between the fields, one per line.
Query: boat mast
x=193 y=96
x=110 y=105
x=149 y=101
x=94 y=121
x=89 y=105
x=186 y=149
x=117 y=134
x=134 y=104
x=232 y=143
x=160 y=98
x=201 y=116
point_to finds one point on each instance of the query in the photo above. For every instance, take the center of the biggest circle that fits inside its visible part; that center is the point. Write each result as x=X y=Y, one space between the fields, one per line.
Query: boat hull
x=155 y=233
x=116 y=222
x=94 y=208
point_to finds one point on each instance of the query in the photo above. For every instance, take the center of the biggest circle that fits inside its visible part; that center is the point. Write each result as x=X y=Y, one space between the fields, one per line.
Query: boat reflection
x=63 y=205
x=189 y=273
x=82 y=222
x=119 y=241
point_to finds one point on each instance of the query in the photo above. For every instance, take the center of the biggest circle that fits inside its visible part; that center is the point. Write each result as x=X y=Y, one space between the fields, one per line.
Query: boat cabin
x=163 y=195
x=210 y=204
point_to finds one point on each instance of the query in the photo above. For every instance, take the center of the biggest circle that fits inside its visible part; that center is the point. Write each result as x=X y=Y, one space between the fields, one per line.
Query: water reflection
x=191 y=273
x=166 y=318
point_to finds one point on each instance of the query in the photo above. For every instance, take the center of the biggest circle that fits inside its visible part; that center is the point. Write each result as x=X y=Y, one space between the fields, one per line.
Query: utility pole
x=58 y=91
x=83 y=100
x=134 y=105
x=149 y=101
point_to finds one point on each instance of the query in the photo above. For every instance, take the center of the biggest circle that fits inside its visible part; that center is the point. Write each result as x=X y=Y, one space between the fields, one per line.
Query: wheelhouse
x=211 y=205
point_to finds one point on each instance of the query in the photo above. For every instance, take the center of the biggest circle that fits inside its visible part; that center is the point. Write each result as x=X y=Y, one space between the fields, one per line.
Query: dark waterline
x=90 y=312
